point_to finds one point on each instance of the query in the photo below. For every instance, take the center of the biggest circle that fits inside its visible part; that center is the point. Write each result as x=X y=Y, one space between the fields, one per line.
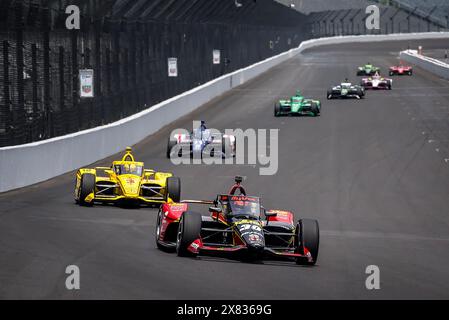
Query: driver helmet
x=238 y=206
x=254 y=208
x=126 y=168
x=132 y=168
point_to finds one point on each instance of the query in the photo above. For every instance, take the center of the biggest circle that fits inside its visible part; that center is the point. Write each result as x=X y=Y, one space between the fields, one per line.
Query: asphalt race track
x=373 y=172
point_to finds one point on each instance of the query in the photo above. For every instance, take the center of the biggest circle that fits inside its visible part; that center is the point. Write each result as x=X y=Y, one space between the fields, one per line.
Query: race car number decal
x=245 y=227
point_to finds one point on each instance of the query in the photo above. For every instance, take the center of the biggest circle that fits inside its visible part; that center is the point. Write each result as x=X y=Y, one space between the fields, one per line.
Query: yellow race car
x=126 y=181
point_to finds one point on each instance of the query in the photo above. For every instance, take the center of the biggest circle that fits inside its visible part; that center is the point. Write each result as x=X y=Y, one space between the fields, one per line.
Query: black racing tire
x=189 y=230
x=389 y=86
x=329 y=95
x=308 y=237
x=173 y=189
x=226 y=141
x=87 y=186
x=170 y=144
x=277 y=110
x=158 y=226
x=391 y=73
x=359 y=73
x=315 y=109
x=361 y=93
x=410 y=72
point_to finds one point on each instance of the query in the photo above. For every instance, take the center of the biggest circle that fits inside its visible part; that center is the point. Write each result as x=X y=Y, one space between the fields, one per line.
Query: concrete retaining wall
x=432 y=65
x=35 y=162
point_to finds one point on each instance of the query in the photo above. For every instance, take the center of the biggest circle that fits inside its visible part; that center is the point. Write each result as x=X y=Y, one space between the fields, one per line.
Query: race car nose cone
x=130 y=185
x=256 y=246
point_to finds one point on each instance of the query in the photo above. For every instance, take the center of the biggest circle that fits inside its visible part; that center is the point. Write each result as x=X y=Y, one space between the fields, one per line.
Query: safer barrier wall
x=432 y=65
x=35 y=162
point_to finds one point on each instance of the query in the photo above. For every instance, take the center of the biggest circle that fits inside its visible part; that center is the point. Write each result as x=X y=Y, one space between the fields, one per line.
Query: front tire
x=87 y=186
x=315 y=109
x=308 y=234
x=189 y=230
x=277 y=110
x=157 y=233
x=173 y=189
x=158 y=228
x=361 y=93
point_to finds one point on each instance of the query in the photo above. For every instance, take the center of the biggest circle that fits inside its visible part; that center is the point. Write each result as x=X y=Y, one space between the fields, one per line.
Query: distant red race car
x=237 y=226
x=401 y=70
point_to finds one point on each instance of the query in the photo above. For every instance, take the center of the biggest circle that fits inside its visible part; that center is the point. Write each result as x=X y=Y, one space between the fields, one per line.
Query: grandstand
x=309 y=6
x=435 y=10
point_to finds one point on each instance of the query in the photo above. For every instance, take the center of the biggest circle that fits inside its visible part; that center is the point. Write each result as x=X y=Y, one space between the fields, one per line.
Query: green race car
x=367 y=70
x=297 y=105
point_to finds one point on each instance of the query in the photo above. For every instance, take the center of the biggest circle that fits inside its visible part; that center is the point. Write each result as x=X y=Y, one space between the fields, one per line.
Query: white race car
x=377 y=82
x=200 y=142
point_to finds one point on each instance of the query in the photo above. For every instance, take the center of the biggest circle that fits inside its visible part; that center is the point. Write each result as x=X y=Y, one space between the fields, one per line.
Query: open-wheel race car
x=297 y=105
x=367 y=70
x=201 y=142
x=236 y=226
x=346 y=90
x=377 y=82
x=126 y=182
x=400 y=70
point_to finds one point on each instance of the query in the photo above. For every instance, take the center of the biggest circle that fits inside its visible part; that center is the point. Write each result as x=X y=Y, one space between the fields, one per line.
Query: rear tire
x=87 y=186
x=329 y=95
x=226 y=147
x=170 y=144
x=309 y=237
x=189 y=230
x=173 y=189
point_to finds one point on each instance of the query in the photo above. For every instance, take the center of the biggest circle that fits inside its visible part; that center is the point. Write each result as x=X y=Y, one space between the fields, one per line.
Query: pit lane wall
x=31 y=163
x=432 y=65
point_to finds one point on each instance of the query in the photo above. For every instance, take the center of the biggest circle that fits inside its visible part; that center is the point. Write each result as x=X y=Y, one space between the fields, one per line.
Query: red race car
x=236 y=226
x=401 y=70
x=376 y=82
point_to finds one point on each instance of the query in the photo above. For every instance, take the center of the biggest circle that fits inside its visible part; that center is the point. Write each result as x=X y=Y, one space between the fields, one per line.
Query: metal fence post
x=61 y=79
x=46 y=57
x=74 y=73
x=6 y=107
x=36 y=115
x=19 y=120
